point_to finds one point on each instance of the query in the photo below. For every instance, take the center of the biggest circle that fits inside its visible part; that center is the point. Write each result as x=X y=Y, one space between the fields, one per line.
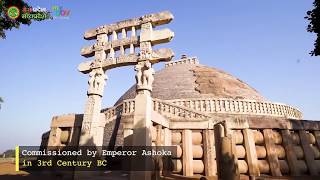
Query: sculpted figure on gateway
x=97 y=81
x=138 y=68
x=144 y=76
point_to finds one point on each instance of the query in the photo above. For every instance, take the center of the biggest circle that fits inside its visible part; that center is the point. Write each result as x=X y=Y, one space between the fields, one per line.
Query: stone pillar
x=229 y=169
x=271 y=152
x=92 y=127
x=187 y=157
x=251 y=154
x=92 y=124
x=142 y=129
x=143 y=102
x=142 y=119
x=209 y=153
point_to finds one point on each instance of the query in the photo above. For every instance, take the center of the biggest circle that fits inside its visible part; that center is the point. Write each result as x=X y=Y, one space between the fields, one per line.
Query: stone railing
x=126 y=107
x=240 y=107
x=272 y=147
x=201 y=108
x=172 y=110
x=191 y=60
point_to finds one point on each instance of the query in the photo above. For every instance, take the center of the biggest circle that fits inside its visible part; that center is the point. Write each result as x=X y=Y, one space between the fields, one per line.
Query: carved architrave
x=104 y=50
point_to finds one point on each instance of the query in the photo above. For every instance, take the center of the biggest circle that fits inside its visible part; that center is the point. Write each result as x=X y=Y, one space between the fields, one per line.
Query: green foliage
x=314 y=26
x=1 y=101
x=7 y=23
x=9 y=153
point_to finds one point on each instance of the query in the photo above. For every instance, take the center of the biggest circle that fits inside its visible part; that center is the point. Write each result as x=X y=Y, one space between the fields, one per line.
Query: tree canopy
x=1 y=101
x=8 y=153
x=314 y=26
x=7 y=23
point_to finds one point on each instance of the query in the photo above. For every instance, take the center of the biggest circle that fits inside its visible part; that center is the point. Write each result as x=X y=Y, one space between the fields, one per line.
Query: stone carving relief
x=138 y=68
x=144 y=76
x=145 y=51
x=148 y=75
x=96 y=81
x=86 y=126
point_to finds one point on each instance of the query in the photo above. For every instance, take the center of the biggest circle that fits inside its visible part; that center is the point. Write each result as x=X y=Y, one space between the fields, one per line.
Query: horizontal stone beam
x=158 y=55
x=116 y=44
x=156 y=19
x=125 y=60
x=155 y=37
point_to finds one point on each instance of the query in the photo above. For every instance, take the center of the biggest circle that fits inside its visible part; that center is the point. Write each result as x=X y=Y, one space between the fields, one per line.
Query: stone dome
x=186 y=79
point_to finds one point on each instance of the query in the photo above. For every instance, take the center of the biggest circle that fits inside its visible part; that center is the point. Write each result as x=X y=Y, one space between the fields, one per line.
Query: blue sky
x=263 y=43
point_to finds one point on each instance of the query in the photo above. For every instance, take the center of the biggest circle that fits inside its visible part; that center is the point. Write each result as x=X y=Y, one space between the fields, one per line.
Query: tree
x=7 y=23
x=1 y=101
x=9 y=153
x=314 y=26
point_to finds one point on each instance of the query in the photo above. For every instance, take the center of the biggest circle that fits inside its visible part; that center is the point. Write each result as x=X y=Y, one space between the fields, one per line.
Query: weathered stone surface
x=158 y=55
x=113 y=134
x=187 y=79
x=156 y=19
x=221 y=84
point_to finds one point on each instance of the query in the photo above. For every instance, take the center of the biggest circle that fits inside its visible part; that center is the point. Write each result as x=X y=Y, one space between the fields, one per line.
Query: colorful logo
x=13 y=12
x=58 y=11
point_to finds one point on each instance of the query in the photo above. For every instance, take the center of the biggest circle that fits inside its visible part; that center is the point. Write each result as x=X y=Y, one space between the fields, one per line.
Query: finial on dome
x=184 y=56
x=183 y=60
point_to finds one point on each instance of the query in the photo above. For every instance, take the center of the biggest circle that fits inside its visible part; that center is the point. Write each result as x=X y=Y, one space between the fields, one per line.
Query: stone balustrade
x=176 y=111
x=270 y=147
x=232 y=106
x=198 y=108
x=191 y=60
x=126 y=107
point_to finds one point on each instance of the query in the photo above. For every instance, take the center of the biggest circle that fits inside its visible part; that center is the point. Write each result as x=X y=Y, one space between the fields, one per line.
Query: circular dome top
x=186 y=78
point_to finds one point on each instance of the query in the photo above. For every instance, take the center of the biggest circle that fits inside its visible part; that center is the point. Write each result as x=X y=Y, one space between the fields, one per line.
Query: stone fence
x=232 y=106
x=202 y=108
x=126 y=107
x=243 y=148
x=192 y=60
x=268 y=147
x=177 y=111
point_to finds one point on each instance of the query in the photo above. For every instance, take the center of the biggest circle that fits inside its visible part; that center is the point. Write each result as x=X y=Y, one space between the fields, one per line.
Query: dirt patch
x=8 y=168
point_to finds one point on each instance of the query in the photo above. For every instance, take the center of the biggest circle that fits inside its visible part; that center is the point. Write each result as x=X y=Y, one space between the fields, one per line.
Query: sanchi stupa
x=221 y=127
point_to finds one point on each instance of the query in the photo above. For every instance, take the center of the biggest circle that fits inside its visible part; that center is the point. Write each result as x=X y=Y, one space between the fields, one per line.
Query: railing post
x=187 y=156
